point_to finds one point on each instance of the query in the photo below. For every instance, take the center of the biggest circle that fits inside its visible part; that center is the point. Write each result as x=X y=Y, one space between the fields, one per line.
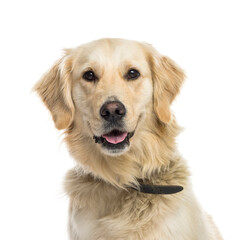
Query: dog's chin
x=115 y=142
x=115 y=152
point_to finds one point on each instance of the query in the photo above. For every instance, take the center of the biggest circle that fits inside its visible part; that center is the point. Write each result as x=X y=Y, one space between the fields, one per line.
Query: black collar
x=159 y=189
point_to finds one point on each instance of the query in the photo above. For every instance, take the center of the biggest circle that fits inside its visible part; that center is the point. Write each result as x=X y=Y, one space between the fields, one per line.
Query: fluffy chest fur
x=101 y=211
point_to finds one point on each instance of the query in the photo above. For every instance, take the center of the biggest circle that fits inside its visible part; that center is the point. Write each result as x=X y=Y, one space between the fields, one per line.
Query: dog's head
x=109 y=90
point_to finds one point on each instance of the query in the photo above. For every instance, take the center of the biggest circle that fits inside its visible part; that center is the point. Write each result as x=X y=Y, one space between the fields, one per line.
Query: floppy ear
x=167 y=80
x=54 y=88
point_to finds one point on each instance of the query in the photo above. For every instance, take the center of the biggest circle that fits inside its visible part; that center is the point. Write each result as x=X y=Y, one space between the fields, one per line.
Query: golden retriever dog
x=112 y=98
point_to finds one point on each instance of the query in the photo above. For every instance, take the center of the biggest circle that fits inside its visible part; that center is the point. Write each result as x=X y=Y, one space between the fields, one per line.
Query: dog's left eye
x=89 y=76
x=132 y=74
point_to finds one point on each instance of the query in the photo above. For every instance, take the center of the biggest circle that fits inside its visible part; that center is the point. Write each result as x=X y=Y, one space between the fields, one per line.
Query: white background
x=206 y=38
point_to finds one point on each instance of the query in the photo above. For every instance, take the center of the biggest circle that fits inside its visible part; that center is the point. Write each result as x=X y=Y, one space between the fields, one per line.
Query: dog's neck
x=152 y=156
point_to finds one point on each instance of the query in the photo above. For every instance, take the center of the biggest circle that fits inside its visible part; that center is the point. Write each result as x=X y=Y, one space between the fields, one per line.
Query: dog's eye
x=132 y=74
x=89 y=76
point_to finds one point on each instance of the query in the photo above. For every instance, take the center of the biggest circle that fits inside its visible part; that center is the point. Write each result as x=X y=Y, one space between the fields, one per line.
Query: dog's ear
x=54 y=88
x=167 y=80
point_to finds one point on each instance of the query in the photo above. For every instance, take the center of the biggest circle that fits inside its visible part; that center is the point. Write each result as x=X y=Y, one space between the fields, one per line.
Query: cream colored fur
x=102 y=203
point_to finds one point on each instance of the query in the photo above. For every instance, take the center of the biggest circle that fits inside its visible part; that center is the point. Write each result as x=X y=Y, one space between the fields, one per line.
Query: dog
x=112 y=98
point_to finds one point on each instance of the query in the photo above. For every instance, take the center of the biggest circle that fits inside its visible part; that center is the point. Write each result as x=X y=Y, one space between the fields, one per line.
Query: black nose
x=112 y=111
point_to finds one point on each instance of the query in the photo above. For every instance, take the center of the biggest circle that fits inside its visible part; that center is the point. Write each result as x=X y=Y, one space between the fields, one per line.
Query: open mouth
x=115 y=136
x=115 y=139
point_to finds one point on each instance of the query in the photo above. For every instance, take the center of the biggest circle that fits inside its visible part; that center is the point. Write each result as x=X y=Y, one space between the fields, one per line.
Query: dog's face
x=109 y=88
x=112 y=87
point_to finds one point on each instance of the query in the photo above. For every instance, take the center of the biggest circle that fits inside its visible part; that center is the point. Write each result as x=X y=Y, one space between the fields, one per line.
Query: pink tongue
x=115 y=139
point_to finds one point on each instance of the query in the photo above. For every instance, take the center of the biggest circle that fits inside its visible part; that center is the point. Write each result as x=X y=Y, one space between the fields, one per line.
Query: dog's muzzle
x=115 y=138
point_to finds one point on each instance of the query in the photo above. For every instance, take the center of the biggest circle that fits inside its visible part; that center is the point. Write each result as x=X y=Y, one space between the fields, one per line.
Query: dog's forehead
x=114 y=51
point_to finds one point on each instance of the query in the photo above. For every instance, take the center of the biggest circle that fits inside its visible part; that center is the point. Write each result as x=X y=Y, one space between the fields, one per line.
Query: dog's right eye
x=89 y=76
x=132 y=74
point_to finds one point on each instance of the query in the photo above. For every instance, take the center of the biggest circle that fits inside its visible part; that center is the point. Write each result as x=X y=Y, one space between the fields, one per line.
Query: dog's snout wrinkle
x=113 y=111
